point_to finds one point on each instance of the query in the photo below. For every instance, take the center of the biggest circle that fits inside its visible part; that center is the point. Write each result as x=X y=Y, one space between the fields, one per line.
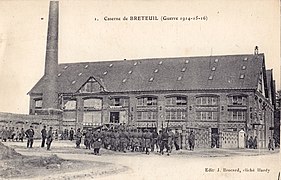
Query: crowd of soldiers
x=134 y=140
x=12 y=134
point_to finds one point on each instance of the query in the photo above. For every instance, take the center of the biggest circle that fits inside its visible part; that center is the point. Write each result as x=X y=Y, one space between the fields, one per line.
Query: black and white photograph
x=140 y=90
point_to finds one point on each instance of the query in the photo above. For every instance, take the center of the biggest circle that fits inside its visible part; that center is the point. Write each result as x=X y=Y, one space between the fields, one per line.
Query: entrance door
x=114 y=117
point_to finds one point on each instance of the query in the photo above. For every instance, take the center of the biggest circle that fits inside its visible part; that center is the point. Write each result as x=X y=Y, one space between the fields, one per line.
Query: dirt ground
x=181 y=164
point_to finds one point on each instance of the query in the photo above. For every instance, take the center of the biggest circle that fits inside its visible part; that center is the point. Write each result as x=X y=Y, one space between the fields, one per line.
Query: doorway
x=114 y=117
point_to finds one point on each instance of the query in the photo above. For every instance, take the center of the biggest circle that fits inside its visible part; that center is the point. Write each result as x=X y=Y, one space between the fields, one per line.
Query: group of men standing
x=11 y=134
x=134 y=140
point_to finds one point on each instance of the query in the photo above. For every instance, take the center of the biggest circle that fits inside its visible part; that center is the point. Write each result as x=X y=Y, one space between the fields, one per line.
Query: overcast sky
x=232 y=28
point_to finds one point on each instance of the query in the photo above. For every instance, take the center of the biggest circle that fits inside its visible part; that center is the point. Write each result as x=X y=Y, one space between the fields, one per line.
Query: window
x=120 y=102
x=176 y=100
x=237 y=115
x=93 y=103
x=69 y=104
x=38 y=104
x=207 y=115
x=147 y=115
x=147 y=101
x=91 y=86
x=207 y=100
x=237 y=100
x=175 y=114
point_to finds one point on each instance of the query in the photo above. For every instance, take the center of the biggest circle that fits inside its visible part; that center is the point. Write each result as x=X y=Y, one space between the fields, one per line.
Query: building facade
x=213 y=95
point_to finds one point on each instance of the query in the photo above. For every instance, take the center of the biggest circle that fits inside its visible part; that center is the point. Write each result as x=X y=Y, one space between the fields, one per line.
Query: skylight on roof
x=179 y=78
x=105 y=73
x=242 y=76
x=124 y=80
x=135 y=63
x=211 y=77
x=213 y=68
x=110 y=65
x=186 y=61
x=151 y=79
x=183 y=69
x=65 y=67
x=130 y=72
x=59 y=74
x=80 y=74
x=245 y=59
x=243 y=67
x=161 y=62
x=216 y=60
x=156 y=70
x=86 y=66
x=73 y=82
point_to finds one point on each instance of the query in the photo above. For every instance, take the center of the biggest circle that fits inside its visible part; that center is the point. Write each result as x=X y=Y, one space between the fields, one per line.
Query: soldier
x=106 y=141
x=88 y=139
x=250 y=142
x=9 y=133
x=191 y=140
x=17 y=134
x=147 y=141
x=29 y=134
x=255 y=143
x=5 y=134
x=13 y=134
x=154 y=141
x=1 y=133
x=71 y=134
x=177 y=140
x=164 y=142
x=117 y=141
x=171 y=137
x=112 y=139
x=270 y=144
x=123 y=138
x=21 y=135
x=43 y=135
x=49 y=138
x=159 y=142
x=78 y=138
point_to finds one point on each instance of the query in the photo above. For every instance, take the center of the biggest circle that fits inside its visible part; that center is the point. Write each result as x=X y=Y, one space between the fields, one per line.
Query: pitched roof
x=181 y=73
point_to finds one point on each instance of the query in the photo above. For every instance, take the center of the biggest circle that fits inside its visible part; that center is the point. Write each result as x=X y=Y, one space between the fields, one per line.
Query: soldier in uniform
x=123 y=136
x=271 y=144
x=21 y=135
x=78 y=138
x=164 y=142
x=117 y=140
x=49 y=138
x=255 y=143
x=191 y=140
x=29 y=134
x=154 y=140
x=171 y=137
x=71 y=134
x=250 y=142
x=88 y=139
x=106 y=141
x=177 y=140
x=159 y=142
x=5 y=134
x=147 y=141
x=44 y=136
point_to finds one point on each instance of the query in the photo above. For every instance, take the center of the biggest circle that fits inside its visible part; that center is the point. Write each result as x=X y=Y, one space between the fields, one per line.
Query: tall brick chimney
x=50 y=94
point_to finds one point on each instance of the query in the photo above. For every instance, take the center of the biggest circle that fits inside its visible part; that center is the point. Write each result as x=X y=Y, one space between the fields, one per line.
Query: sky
x=232 y=27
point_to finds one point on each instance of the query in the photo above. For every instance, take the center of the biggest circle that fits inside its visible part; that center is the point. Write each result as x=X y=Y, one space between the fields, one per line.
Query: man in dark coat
x=49 y=138
x=29 y=134
x=43 y=135
x=71 y=134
